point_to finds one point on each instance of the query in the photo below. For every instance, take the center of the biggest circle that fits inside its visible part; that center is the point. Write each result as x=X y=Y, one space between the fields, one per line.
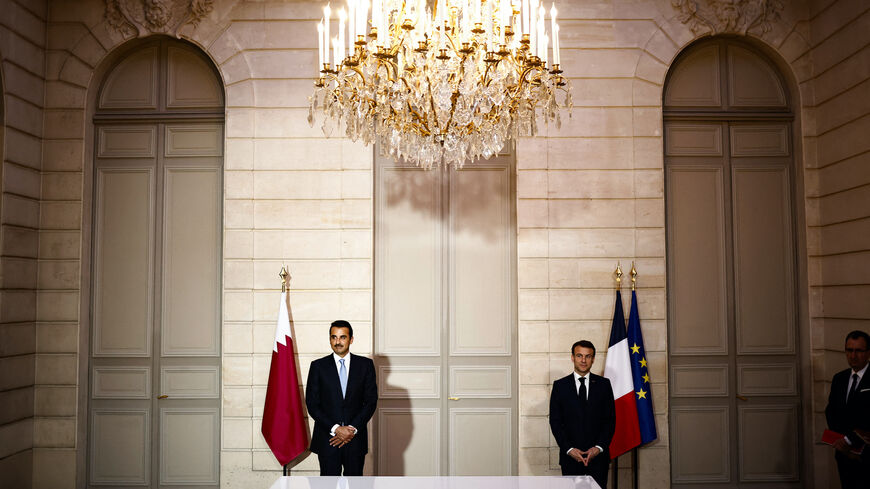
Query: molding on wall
x=144 y=17
x=728 y=16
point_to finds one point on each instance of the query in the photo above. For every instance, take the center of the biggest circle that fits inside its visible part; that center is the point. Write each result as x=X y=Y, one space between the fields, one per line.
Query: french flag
x=617 y=368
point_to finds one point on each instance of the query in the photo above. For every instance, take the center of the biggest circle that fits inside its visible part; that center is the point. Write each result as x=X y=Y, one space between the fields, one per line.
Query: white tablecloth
x=525 y=482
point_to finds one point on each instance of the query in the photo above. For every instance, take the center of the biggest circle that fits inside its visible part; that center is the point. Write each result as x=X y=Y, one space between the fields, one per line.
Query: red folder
x=830 y=437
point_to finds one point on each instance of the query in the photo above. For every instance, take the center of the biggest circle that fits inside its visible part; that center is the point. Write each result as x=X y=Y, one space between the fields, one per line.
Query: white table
x=524 y=482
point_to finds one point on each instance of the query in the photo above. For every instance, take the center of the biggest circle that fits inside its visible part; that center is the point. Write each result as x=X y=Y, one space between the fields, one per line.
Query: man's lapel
x=353 y=375
x=593 y=389
x=865 y=380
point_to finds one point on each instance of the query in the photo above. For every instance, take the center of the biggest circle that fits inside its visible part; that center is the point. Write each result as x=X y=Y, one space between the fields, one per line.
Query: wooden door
x=154 y=407
x=445 y=326
x=733 y=346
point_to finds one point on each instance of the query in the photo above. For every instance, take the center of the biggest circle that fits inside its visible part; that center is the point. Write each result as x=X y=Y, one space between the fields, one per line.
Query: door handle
x=164 y=396
x=453 y=398
x=742 y=398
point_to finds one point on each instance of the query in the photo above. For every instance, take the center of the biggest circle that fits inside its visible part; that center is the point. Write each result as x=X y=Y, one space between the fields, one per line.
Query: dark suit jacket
x=842 y=417
x=328 y=408
x=570 y=428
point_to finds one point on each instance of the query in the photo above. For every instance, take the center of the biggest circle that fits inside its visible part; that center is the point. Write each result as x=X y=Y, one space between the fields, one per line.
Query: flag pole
x=283 y=274
x=615 y=477
x=634 y=470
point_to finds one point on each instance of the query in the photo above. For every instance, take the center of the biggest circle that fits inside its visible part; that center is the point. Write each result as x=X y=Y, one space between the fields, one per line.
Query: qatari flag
x=618 y=369
x=284 y=425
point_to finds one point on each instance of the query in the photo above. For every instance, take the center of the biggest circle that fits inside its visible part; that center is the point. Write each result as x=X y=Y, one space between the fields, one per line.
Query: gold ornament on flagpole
x=633 y=276
x=618 y=274
x=284 y=278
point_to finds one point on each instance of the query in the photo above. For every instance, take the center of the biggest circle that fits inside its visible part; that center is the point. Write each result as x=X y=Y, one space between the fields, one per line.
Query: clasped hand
x=584 y=456
x=343 y=436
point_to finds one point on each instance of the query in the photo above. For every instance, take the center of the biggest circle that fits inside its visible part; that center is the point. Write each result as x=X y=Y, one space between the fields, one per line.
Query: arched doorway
x=154 y=365
x=735 y=390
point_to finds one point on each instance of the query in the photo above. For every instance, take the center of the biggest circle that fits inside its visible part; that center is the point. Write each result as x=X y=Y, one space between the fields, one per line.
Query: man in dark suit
x=583 y=416
x=849 y=409
x=341 y=396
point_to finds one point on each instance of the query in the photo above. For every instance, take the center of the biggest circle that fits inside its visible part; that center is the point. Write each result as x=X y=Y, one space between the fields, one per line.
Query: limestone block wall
x=589 y=194
x=22 y=70
x=292 y=197
x=838 y=192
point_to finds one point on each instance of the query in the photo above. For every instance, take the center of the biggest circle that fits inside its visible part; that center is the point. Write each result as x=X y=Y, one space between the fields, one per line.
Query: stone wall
x=588 y=195
x=591 y=195
x=22 y=70
x=292 y=197
x=837 y=121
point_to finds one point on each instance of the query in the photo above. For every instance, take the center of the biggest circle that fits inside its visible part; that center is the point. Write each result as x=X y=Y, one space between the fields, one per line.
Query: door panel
x=698 y=321
x=126 y=142
x=409 y=259
x=472 y=454
x=445 y=283
x=190 y=382
x=764 y=291
x=189 y=446
x=121 y=383
x=481 y=382
x=480 y=285
x=700 y=443
x=120 y=450
x=123 y=262
x=409 y=441
x=191 y=257
x=760 y=424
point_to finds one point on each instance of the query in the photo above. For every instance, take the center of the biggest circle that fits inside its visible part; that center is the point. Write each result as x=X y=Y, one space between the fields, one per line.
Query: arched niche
x=725 y=74
x=736 y=397
x=162 y=75
x=154 y=320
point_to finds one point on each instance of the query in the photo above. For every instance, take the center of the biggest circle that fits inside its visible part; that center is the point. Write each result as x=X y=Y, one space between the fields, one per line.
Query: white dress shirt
x=577 y=384
x=346 y=359
x=577 y=390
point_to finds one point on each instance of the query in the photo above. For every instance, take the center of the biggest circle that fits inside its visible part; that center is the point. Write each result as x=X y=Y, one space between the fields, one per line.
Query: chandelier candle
x=447 y=82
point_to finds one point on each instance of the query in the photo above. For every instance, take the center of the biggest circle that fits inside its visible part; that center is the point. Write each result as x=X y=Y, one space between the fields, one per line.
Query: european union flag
x=640 y=374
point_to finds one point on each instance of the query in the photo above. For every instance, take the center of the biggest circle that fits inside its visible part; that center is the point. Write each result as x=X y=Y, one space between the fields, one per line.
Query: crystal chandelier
x=444 y=85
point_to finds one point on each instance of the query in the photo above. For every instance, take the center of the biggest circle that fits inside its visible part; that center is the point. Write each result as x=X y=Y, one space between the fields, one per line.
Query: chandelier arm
x=360 y=73
x=422 y=125
x=486 y=81
x=453 y=97
x=432 y=104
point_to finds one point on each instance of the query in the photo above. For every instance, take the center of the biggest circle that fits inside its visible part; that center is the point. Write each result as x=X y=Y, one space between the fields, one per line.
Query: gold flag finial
x=633 y=276
x=618 y=274
x=284 y=276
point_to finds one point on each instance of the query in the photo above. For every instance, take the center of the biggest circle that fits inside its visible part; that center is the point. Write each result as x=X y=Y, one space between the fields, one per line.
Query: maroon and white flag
x=284 y=426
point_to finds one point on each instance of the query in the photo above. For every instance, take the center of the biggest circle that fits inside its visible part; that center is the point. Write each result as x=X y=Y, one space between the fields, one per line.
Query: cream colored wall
x=292 y=197
x=22 y=55
x=588 y=195
x=837 y=155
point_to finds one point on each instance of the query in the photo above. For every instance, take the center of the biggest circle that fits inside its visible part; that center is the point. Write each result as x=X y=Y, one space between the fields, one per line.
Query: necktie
x=581 y=392
x=853 y=388
x=342 y=377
